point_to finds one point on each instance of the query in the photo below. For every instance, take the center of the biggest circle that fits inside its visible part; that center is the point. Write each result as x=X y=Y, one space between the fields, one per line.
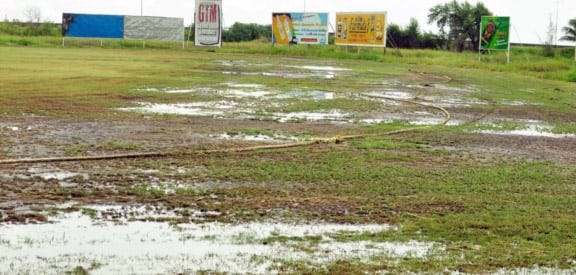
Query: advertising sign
x=208 y=23
x=300 y=28
x=154 y=28
x=92 y=25
x=361 y=29
x=494 y=33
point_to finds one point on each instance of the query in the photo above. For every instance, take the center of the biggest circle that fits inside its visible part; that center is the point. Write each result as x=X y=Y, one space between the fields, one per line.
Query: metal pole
x=141 y=7
x=556 y=27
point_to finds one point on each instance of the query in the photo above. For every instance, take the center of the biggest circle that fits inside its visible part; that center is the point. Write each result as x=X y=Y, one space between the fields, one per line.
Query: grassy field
x=488 y=210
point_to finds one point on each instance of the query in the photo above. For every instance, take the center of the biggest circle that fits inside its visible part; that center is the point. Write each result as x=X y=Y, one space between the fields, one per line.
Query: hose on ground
x=331 y=140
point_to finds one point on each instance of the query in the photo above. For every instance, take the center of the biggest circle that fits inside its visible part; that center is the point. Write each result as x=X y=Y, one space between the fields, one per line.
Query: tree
x=462 y=20
x=33 y=16
x=413 y=34
x=408 y=37
x=548 y=49
x=246 y=32
x=411 y=37
x=569 y=31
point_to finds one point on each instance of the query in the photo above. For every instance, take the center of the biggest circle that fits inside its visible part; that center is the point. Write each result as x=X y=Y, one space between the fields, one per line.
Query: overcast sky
x=530 y=18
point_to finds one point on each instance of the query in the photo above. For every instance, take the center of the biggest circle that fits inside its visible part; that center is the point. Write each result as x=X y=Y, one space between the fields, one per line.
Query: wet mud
x=49 y=211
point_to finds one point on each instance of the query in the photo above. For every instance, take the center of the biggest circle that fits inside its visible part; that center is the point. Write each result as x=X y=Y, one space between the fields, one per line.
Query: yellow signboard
x=361 y=29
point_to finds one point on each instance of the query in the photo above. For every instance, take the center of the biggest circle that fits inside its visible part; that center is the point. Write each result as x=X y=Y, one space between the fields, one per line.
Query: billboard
x=494 y=33
x=92 y=25
x=120 y=26
x=154 y=28
x=366 y=29
x=208 y=23
x=300 y=28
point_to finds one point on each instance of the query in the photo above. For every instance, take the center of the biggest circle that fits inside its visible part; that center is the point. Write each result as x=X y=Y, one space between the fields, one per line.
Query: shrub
x=572 y=76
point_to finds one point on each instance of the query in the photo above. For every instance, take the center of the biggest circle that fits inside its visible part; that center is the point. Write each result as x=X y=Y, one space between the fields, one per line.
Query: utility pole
x=556 y=31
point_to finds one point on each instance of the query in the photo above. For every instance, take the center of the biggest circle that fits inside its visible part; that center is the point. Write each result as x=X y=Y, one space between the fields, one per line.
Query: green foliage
x=565 y=127
x=572 y=76
x=569 y=31
x=148 y=192
x=462 y=21
x=29 y=29
x=411 y=37
x=548 y=50
x=247 y=32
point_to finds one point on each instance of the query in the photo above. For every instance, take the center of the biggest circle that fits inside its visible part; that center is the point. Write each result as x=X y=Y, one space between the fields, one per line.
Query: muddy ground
x=174 y=188
x=28 y=189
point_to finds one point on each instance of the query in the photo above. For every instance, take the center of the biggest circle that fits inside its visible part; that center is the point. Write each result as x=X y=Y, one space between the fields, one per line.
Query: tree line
x=458 y=25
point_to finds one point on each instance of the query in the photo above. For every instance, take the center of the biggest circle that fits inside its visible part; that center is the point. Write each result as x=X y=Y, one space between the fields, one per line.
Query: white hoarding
x=153 y=28
x=208 y=23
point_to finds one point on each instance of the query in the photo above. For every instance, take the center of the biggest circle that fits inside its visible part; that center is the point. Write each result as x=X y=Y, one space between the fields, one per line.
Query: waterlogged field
x=155 y=161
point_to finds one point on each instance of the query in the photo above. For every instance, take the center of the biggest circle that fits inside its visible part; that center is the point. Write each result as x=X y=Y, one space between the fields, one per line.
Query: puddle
x=417 y=119
x=321 y=68
x=244 y=94
x=218 y=109
x=242 y=63
x=226 y=109
x=316 y=95
x=536 y=270
x=177 y=91
x=334 y=116
x=245 y=99
x=395 y=94
x=120 y=214
x=531 y=129
x=513 y=103
x=46 y=174
x=102 y=247
x=259 y=137
x=467 y=89
x=447 y=102
x=287 y=74
x=16 y=128
x=236 y=85
x=302 y=75
x=443 y=101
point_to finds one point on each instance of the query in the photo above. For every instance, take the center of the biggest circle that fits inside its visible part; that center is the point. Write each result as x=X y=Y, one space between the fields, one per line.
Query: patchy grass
x=480 y=211
x=489 y=214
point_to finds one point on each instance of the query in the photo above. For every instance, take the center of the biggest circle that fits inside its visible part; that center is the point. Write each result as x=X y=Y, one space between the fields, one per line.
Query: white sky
x=530 y=18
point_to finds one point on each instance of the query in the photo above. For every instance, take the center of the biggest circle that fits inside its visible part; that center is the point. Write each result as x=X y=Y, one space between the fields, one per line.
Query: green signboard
x=495 y=33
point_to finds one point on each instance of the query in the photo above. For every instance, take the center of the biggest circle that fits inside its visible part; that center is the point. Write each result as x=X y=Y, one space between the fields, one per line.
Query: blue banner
x=91 y=25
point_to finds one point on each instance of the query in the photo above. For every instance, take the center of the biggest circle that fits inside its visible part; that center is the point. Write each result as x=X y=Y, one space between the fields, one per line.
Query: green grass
x=499 y=214
x=90 y=81
x=489 y=214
